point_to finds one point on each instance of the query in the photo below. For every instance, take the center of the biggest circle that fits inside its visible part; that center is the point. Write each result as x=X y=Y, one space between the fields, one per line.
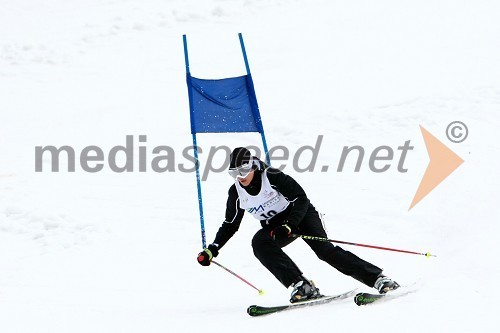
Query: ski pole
x=428 y=254
x=261 y=291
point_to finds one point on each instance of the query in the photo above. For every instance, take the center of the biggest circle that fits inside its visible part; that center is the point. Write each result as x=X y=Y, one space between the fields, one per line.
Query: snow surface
x=115 y=252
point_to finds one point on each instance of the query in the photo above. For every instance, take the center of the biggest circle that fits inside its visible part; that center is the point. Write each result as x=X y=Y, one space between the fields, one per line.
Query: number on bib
x=269 y=214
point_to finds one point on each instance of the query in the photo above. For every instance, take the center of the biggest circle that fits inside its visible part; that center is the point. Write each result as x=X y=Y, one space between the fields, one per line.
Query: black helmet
x=240 y=156
x=241 y=162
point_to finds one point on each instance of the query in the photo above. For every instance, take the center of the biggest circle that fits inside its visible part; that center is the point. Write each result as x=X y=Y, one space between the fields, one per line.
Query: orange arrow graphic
x=442 y=162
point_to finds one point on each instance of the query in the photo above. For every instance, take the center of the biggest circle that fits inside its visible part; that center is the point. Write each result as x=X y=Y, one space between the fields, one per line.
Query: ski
x=367 y=298
x=257 y=310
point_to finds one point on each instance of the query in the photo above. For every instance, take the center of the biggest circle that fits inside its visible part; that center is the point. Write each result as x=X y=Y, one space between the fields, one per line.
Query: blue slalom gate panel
x=223 y=106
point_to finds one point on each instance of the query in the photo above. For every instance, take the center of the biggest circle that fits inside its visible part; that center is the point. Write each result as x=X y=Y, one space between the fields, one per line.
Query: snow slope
x=115 y=252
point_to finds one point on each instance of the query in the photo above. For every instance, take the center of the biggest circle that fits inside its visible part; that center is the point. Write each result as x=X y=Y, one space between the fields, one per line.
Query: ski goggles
x=241 y=171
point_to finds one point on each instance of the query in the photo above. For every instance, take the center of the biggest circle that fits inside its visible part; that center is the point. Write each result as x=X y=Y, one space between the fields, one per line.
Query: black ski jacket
x=286 y=185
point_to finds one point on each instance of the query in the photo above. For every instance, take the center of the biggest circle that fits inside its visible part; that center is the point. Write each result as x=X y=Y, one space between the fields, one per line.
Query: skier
x=283 y=209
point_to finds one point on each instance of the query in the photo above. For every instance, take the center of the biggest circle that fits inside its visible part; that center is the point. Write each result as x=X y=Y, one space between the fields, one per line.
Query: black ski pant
x=270 y=254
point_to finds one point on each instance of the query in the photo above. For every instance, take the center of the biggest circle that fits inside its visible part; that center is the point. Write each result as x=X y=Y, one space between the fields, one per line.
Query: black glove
x=205 y=256
x=281 y=232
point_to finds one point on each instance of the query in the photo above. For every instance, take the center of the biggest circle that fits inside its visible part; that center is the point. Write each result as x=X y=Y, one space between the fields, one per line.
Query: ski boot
x=385 y=284
x=304 y=290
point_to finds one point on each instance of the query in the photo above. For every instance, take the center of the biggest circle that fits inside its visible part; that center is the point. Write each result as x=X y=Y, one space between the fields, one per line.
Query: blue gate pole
x=195 y=147
x=263 y=136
